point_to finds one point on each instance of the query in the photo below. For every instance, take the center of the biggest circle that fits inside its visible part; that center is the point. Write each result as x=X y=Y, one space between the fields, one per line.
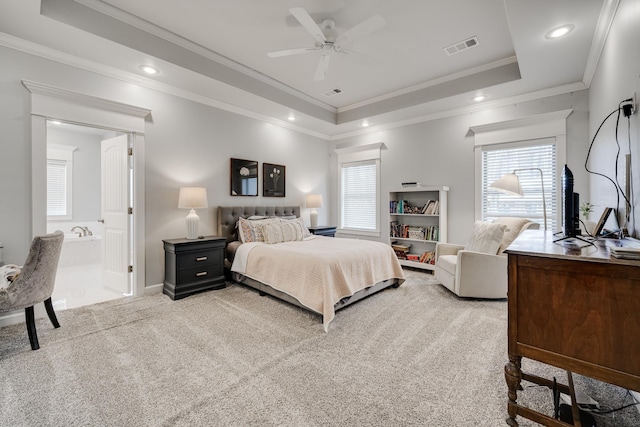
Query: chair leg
x=52 y=314
x=31 y=328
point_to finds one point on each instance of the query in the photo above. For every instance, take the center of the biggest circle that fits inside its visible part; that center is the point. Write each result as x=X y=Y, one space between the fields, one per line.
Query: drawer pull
x=204 y=273
x=202 y=258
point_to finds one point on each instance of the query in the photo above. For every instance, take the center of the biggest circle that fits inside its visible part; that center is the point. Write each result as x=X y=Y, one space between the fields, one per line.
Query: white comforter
x=318 y=271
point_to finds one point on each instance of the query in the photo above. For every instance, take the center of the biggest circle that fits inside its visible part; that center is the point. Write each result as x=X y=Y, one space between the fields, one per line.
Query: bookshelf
x=417 y=222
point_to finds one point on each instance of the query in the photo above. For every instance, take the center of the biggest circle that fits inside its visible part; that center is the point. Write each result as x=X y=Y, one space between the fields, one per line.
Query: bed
x=318 y=273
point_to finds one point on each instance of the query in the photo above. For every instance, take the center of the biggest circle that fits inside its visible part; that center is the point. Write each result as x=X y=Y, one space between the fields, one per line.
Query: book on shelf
x=405 y=231
x=429 y=257
x=432 y=207
x=400 y=247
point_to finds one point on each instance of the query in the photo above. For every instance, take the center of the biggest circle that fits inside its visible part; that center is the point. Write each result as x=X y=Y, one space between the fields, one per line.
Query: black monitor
x=570 y=205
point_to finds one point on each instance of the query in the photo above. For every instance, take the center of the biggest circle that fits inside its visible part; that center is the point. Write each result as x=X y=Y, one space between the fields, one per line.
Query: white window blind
x=56 y=188
x=501 y=159
x=359 y=195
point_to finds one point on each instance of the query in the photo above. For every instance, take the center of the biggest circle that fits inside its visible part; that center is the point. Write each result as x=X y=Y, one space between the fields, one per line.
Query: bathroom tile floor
x=80 y=285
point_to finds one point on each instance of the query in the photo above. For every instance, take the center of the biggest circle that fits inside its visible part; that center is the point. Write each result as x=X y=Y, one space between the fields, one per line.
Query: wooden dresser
x=574 y=307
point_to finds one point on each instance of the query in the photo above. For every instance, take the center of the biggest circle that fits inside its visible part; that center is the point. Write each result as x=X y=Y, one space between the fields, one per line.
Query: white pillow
x=486 y=237
x=514 y=226
x=251 y=230
x=300 y=222
x=283 y=231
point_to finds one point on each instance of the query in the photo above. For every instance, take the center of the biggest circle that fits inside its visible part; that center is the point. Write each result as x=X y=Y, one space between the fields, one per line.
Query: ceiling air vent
x=332 y=92
x=463 y=45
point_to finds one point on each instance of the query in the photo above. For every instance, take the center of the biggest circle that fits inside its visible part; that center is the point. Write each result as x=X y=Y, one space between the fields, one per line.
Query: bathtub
x=78 y=250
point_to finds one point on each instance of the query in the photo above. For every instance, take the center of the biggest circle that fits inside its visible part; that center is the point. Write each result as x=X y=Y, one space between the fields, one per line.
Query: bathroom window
x=59 y=181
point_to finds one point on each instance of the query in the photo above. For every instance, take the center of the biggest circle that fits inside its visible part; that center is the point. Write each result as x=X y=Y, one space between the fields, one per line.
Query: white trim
x=607 y=14
x=51 y=102
x=548 y=125
x=523 y=129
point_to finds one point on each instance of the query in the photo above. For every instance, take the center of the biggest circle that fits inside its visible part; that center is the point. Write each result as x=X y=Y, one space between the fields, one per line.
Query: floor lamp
x=510 y=184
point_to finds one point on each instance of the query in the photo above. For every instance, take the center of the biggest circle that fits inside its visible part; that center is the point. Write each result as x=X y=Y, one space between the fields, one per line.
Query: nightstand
x=193 y=265
x=323 y=230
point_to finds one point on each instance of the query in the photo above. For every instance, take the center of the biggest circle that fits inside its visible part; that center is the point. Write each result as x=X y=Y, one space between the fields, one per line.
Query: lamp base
x=313 y=216
x=193 y=224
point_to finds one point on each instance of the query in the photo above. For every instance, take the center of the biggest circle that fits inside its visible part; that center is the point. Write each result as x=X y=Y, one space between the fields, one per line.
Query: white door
x=115 y=214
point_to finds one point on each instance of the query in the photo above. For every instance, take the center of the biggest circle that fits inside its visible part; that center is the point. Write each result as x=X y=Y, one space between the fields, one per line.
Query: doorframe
x=49 y=102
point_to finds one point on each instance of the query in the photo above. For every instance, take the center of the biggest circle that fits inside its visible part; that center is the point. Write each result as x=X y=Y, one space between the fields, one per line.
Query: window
x=59 y=181
x=359 y=195
x=500 y=159
x=359 y=174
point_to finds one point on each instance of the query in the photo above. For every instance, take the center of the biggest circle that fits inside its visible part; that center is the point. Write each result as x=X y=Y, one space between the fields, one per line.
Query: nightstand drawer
x=203 y=272
x=197 y=259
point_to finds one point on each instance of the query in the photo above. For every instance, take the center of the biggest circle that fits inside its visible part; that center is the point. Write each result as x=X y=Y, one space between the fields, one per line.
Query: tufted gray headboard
x=228 y=216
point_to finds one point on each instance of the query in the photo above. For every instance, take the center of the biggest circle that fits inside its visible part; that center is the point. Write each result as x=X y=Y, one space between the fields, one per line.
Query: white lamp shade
x=510 y=184
x=193 y=198
x=314 y=201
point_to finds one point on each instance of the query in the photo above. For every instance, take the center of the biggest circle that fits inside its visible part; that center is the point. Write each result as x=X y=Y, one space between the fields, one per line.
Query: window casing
x=359 y=189
x=525 y=158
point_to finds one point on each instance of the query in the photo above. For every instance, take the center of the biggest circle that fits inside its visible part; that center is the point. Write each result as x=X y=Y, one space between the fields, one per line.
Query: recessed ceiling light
x=478 y=98
x=291 y=117
x=149 y=69
x=365 y=123
x=55 y=122
x=560 y=31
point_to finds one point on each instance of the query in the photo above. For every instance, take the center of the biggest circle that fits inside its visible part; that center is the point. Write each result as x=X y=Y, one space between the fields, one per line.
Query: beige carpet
x=416 y=355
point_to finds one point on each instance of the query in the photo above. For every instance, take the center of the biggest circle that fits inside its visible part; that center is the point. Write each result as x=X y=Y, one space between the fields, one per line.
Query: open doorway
x=75 y=205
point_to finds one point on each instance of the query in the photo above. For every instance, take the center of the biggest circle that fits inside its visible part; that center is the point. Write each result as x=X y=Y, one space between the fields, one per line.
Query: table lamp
x=192 y=198
x=314 y=201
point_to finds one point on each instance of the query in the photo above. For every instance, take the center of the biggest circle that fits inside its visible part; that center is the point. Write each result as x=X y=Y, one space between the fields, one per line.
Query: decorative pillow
x=283 y=231
x=486 y=237
x=514 y=226
x=294 y=219
x=251 y=230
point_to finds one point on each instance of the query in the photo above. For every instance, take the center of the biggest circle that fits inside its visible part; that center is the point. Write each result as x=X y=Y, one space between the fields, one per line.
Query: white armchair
x=467 y=272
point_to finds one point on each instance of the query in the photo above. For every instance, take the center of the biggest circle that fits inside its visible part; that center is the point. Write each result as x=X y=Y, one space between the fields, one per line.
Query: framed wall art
x=273 y=180
x=244 y=177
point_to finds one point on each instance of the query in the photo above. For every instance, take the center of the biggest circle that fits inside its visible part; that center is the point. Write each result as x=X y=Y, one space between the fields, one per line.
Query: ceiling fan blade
x=287 y=52
x=362 y=29
x=307 y=22
x=323 y=65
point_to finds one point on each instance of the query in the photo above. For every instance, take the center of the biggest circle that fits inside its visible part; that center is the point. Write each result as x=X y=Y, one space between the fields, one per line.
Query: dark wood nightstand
x=323 y=230
x=193 y=265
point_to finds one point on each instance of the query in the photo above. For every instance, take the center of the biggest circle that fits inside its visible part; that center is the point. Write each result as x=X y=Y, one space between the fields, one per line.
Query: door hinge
x=130 y=269
x=130 y=211
x=131 y=151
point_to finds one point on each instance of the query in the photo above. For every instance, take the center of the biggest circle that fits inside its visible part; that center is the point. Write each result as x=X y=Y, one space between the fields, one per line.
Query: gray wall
x=441 y=152
x=616 y=79
x=186 y=144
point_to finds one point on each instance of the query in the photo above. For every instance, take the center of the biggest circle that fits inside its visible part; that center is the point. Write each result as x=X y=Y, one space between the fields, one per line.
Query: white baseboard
x=153 y=289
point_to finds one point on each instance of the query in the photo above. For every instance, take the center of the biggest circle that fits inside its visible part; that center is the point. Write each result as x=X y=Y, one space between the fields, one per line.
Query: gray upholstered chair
x=35 y=282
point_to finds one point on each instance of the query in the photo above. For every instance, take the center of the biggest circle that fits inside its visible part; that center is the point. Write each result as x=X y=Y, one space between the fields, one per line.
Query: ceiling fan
x=327 y=41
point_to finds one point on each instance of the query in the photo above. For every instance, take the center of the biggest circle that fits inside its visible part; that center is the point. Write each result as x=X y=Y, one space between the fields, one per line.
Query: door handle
x=202 y=258
x=101 y=220
x=204 y=273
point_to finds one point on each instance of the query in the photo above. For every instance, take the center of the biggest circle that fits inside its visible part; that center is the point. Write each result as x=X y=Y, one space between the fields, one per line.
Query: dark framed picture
x=273 y=180
x=244 y=177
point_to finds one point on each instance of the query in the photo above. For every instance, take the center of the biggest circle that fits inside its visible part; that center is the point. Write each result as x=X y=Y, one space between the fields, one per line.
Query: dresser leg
x=513 y=376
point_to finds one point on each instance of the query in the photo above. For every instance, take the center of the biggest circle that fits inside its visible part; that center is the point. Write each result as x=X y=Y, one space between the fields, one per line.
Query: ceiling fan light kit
x=327 y=42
